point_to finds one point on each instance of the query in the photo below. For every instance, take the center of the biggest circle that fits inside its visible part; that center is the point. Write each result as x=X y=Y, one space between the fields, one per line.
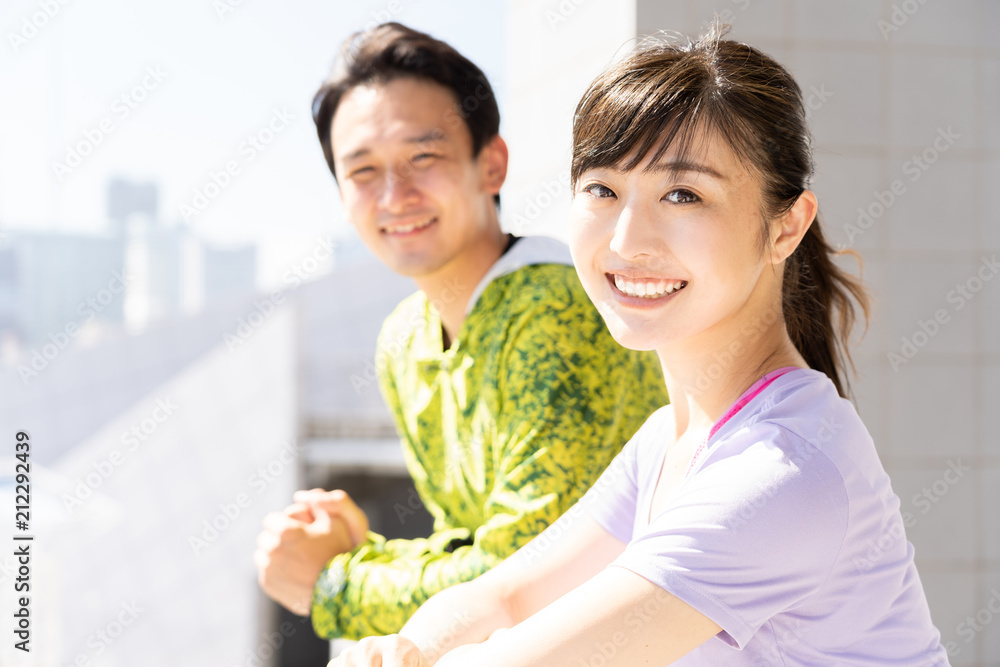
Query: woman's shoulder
x=803 y=403
x=802 y=427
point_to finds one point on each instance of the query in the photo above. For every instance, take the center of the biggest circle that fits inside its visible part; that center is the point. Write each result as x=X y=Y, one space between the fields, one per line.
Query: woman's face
x=672 y=251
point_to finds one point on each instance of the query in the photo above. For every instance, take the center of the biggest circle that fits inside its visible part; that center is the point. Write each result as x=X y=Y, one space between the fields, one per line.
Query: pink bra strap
x=750 y=394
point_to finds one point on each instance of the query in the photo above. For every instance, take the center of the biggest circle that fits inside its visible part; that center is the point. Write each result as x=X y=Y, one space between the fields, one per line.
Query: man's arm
x=559 y=425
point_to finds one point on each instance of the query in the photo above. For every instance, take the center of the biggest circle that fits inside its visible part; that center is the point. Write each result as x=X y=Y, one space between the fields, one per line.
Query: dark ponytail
x=819 y=302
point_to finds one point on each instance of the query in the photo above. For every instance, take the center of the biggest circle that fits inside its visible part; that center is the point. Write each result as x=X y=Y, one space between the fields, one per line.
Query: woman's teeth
x=648 y=289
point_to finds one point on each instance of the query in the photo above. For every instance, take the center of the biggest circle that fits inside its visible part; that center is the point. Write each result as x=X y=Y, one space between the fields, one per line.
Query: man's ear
x=789 y=229
x=493 y=164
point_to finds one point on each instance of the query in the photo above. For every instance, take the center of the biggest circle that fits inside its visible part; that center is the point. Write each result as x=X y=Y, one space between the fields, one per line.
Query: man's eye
x=681 y=196
x=361 y=171
x=599 y=191
x=424 y=157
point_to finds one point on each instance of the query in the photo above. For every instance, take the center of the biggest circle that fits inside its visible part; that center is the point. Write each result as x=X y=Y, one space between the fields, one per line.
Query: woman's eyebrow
x=681 y=166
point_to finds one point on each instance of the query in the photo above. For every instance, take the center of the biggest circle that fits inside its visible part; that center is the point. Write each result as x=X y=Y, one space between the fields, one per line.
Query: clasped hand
x=296 y=544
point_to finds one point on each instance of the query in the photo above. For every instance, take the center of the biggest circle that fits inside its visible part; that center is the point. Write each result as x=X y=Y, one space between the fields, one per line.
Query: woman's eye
x=682 y=196
x=599 y=191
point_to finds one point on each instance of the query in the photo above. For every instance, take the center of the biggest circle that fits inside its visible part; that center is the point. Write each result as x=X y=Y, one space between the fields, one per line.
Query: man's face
x=407 y=177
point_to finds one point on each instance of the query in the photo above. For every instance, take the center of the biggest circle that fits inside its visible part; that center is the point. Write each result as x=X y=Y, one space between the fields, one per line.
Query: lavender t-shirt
x=785 y=532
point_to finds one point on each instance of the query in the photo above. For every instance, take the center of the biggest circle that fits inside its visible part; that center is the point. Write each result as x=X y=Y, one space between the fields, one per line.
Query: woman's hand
x=389 y=651
x=459 y=657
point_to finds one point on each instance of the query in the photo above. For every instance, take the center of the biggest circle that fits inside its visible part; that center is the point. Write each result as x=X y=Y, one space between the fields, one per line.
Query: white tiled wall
x=892 y=96
x=554 y=49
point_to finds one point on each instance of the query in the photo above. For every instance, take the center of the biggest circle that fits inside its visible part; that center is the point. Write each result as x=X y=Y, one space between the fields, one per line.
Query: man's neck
x=449 y=289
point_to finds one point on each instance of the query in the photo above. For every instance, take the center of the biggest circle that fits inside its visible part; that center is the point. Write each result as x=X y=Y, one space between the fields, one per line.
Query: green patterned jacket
x=502 y=433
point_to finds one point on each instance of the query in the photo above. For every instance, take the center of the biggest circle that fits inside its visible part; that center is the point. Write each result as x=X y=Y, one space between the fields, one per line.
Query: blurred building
x=8 y=289
x=228 y=272
x=63 y=280
x=171 y=445
x=143 y=270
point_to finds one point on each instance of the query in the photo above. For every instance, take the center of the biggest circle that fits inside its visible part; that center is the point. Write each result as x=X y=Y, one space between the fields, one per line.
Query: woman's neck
x=705 y=376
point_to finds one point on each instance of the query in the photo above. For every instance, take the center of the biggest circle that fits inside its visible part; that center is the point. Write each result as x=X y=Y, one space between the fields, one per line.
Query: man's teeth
x=403 y=229
x=648 y=289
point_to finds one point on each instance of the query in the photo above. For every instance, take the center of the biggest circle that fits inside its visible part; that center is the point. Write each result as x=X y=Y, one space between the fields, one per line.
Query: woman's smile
x=644 y=292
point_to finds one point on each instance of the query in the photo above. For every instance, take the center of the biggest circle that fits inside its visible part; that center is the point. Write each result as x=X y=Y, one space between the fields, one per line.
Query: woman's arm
x=616 y=619
x=561 y=605
x=571 y=551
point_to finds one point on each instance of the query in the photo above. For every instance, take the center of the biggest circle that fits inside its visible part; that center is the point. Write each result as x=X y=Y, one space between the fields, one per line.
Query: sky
x=210 y=99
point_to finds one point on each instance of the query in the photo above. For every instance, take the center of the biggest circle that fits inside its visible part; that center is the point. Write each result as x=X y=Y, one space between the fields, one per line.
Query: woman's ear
x=493 y=164
x=793 y=225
